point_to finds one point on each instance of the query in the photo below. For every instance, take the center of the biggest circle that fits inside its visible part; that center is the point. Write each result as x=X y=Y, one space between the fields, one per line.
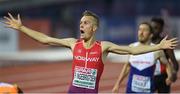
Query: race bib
x=141 y=83
x=84 y=77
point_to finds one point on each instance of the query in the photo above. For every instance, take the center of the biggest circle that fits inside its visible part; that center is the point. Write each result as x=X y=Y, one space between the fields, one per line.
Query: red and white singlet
x=87 y=67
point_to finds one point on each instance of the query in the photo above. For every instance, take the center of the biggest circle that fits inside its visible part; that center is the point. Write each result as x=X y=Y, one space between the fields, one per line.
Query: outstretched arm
x=165 y=44
x=122 y=75
x=11 y=22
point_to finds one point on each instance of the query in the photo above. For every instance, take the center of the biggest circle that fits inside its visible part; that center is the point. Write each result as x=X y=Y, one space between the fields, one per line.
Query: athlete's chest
x=92 y=54
x=142 y=61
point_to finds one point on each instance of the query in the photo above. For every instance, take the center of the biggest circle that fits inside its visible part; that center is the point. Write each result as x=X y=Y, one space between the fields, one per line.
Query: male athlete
x=141 y=67
x=160 y=72
x=88 y=53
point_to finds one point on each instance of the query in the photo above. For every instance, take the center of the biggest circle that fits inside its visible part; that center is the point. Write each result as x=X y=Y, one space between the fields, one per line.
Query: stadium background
x=38 y=68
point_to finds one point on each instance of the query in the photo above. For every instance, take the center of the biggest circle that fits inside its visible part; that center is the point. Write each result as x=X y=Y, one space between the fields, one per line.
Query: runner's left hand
x=168 y=81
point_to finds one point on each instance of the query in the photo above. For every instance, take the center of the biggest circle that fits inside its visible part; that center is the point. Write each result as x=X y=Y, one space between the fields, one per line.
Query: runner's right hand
x=11 y=22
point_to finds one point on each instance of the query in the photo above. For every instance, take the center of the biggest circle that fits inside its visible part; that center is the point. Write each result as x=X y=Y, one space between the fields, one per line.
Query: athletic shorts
x=74 y=89
x=160 y=84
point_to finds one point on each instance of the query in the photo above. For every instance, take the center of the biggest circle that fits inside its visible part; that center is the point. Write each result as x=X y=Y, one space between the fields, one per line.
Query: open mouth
x=82 y=32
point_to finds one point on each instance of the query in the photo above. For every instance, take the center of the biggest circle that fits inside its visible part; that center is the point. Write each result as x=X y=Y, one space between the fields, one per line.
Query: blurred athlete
x=160 y=72
x=6 y=88
x=88 y=53
x=141 y=67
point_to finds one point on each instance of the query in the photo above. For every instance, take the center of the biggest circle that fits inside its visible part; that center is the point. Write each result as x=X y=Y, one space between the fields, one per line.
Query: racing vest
x=141 y=72
x=87 y=65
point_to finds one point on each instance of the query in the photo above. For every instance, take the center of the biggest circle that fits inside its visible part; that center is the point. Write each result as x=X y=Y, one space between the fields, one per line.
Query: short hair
x=158 y=20
x=89 y=13
x=149 y=25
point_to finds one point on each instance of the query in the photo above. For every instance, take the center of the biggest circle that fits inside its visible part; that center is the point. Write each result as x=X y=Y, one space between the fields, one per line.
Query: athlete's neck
x=156 y=39
x=89 y=43
x=146 y=43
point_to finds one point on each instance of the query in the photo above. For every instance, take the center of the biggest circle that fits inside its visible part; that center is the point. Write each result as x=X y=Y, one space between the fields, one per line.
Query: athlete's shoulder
x=77 y=41
x=73 y=39
x=98 y=42
x=134 y=44
x=105 y=43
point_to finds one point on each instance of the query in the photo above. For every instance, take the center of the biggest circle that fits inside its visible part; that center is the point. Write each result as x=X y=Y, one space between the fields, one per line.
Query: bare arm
x=169 y=69
x=46 y=39
x=169 y=73
x=165 y=44
x=173 y=62
x=170 y=55
x=122 y=75
x=42 y=38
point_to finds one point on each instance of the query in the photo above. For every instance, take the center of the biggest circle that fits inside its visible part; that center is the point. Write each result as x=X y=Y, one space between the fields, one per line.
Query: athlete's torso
x=160 y=68
x=87 y=68
x=141 y=72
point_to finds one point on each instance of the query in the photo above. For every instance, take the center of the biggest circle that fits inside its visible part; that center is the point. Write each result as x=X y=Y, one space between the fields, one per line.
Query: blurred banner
x=40 y=25
x=121 y=31
x=8 y=39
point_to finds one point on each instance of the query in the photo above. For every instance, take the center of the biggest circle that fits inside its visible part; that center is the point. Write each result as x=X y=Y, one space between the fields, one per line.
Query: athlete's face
x=157 y=28
x=87 y=27
x=144 y=33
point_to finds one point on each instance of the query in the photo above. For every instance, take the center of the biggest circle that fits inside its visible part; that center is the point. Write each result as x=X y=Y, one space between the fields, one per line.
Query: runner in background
x=141 y=67
x=160 y=72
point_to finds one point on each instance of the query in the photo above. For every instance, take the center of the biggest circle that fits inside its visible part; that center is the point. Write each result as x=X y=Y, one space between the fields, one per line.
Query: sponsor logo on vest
x=93 y=52
x=94 y=59
x=141 y=62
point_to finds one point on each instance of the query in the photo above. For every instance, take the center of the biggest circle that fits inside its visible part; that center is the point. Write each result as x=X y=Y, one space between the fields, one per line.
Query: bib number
x=141 y=83
x=85 y=77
